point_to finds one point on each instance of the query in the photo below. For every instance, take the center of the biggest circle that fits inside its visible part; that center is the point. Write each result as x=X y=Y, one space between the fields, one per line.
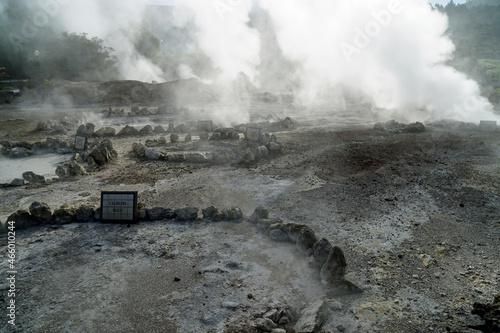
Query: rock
x=105 y=132
x=152 y=154
x=230 y=305
x=128 y=131
x=22 y=218
x=187 y=214
x=197 y=158
x=19 y=152
x=204 y=136
x=188 y=138
x=217 y=217
x=139 y=149
x=278 y=330
x=274 y=148
x=40 y=211
x=17 y=182
x=159 y=129
x=178 y=158
x=33 y=178
x=312 y=318
x=248 y=156
x=41 y=126
x=306 y=239
x=334 y=268
x=321 y=252
x=64 y=215
x=180 y=128
x=259 y=213
x=265 y=324
x=261 y=152
x=417 y=127
x=146 y=130
x=160 y=213
x=103 y=153
x=209 y=212
x=86 y=130
x=232 y=213
x=69 y=170
x=91 y=164
x=278 y=232
x=170 y=127
x=225 y=134
x=84 y=213
x=174 y=138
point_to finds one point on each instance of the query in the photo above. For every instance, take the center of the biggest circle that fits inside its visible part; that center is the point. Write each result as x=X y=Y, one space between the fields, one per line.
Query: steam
x=116 y=22
x=393 y=52
x=389 y=52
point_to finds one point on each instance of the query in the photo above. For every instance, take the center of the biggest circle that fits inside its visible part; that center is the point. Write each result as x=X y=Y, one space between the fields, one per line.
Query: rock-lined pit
x=415 y=215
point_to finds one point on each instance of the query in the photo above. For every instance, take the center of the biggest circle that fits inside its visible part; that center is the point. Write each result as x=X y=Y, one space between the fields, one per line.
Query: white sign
x=118 y=206
x=80 y=142
x=253 y=134
x=205 y=126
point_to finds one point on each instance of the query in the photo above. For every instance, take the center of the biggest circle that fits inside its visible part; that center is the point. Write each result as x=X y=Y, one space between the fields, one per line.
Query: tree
x=78 y=57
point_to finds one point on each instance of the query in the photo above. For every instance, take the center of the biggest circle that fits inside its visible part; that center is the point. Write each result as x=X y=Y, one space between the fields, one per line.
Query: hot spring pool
x=44 y=165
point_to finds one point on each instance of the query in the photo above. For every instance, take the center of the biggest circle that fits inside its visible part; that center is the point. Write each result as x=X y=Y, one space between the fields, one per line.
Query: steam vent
x=249 y=166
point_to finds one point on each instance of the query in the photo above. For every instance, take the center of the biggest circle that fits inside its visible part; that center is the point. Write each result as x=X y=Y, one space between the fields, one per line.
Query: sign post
x=119 y=207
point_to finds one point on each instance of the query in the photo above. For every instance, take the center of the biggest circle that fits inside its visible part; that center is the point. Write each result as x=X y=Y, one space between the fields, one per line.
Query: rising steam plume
x=391 y=53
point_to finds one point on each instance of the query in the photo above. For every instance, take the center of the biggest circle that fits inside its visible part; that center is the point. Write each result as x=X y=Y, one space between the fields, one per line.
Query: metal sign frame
x=205 y=126
x=118 y=207
x=79 y=145
x=253 y=134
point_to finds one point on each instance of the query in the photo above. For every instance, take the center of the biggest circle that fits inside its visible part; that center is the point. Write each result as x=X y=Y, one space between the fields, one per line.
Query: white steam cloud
x=390 y=50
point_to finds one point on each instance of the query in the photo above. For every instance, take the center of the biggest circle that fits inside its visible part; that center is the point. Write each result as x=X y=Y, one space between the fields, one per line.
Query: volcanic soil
x=417 y=216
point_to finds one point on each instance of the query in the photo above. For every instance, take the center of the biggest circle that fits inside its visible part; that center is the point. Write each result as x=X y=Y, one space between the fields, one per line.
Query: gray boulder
x=204 y=136
x=152 y=154
x=209 y=212
x=64 y=215
x=86 y=130
x=103 y=153
x=174 y=138
x=33 y=178
x=321 y=252
x=312 y=318
x=139 y=149
x=40 y=211
x=146 y=130
x=17 y=182
x=258 y=214
x=232 y=213
x=334 y=268
x=160 y=213
x=128 y=131
x=19 y=152
x=187 y=214
x=159 y=129
x=84 y=213
x=105 y=132
x=22 y=218
x=265 y=324
x=71 y=169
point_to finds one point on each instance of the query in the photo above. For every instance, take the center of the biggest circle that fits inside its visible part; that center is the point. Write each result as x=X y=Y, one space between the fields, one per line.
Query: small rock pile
x=483 y=318
x=26 y=148
x=57 y=127
x=393 y=126
x=328 y=259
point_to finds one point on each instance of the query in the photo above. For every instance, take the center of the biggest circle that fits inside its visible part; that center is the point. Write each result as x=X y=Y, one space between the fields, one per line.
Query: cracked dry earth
x=417 y=216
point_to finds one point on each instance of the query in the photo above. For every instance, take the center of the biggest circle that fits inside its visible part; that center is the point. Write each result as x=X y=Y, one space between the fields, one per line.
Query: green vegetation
x=475 y=30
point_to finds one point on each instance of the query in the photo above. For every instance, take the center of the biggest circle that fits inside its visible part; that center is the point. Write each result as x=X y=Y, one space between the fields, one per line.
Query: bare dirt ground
x=417 y=215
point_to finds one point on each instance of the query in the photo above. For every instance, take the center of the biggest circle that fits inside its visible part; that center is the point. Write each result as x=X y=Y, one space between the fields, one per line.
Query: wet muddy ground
x=417 y=216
